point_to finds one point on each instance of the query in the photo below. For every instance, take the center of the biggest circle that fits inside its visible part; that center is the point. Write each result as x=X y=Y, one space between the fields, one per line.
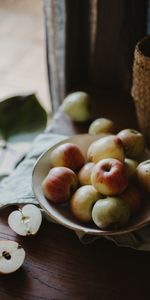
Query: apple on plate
x=131 y=165
x=101 y=125
x=109 y=146
x=143 y=174
x=110 y=213
x=59 y=184
x=76 y=106
x=132 y=197
x=25 y=221
x=67 y=155
x=133 y=142
x=82 y=202
x=84 y=174
x=12 y=256
x=109 y=177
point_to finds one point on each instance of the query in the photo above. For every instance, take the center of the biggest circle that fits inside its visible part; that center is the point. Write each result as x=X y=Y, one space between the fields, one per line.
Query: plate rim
x=92 y=231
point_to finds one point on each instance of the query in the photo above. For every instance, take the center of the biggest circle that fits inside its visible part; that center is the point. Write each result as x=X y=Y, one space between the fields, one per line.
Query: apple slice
x=25 y=221
x=12 y=256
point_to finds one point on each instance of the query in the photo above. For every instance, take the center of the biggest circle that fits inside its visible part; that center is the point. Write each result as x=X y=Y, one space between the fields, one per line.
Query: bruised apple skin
x=101 y=125
x=82 y=202
x=143 y=175
x=110 y=213
x=133 y=198
x=67 y=155
x=109 y=146
x=109 y=177
x=59 y=184
x=133 y=142
x=84 y=174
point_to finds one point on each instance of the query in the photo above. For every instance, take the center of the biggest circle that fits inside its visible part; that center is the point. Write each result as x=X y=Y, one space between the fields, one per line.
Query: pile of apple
x=104 y=187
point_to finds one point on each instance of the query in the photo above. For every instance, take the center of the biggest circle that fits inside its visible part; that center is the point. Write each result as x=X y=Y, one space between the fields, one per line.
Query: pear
x=75 y=105
x=25 y=221
x=12 y=256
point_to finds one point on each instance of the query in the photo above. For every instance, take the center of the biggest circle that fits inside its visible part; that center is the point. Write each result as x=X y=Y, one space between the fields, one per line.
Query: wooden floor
x=22 y=50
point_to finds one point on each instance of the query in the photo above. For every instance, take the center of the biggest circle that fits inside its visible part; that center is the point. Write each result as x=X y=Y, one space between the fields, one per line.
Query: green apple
x=131 y=166
x=111 y=212
x=101 y=125
x=82 y=202
x=76 y=106
x=143 y=175
x=109 y=146
x=133 y=142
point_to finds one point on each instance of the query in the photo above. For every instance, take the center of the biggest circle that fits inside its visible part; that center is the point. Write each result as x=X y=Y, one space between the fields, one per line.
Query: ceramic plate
x=61 y=213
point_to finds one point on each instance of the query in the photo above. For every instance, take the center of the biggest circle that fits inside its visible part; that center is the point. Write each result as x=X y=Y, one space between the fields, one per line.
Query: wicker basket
x=141 y=85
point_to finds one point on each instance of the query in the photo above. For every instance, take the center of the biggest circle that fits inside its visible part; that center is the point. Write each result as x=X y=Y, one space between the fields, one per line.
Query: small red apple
x=67 y=155
x=109 y=177
x=84 y=174
x=59 y=184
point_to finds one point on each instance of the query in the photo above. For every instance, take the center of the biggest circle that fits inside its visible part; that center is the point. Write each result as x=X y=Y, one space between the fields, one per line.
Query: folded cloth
x=17 y=189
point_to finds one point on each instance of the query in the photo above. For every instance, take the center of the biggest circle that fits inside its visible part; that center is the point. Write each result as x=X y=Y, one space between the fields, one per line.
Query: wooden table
x=58 y=265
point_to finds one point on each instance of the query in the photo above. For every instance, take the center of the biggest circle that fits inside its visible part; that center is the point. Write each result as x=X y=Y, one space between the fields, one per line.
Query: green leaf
x=21 y=114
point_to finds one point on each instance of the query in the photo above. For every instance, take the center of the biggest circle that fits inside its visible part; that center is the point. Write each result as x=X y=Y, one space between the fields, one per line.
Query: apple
x=132 y=196
x=84 y=174
x=111 y=212
x=12 y=256
x=59 y=184
x=131 y=166
x=82 y=202
x=133 y=142
x=143 y=174
x=101 y=125
x=25 y=221
x=109 y=177
x=109 y=146
x=67 y=155
x=76 y=106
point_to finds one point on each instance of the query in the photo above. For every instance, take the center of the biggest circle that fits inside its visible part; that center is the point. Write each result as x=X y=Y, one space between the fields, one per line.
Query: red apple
x=59 y=184
x=133 y=142
x=84 y=174
x=132 y=196
x=67 y=155
x=82 y=202
x=109 y=177
x=109 y=146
